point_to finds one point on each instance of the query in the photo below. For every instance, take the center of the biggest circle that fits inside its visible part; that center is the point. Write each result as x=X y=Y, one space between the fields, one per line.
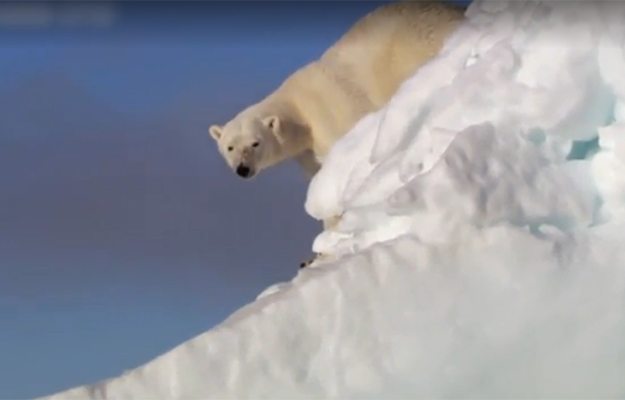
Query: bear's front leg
x=328 y=224
x=307 y=262
x=309 y=163
x=331 y=223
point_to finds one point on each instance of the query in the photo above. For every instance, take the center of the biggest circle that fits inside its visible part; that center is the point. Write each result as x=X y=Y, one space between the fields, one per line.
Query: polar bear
x=322 y=101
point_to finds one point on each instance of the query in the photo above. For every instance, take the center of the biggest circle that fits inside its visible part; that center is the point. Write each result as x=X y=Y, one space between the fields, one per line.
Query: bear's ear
x=215 y=131
x=272 y=122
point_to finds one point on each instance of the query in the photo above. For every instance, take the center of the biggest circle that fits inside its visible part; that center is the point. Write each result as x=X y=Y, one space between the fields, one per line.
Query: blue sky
x=122 y=232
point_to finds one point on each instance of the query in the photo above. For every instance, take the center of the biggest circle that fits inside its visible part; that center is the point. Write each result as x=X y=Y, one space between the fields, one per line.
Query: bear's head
x=249 y=145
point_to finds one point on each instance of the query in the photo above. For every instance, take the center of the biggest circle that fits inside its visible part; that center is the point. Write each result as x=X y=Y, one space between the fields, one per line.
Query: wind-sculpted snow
x=479 y=254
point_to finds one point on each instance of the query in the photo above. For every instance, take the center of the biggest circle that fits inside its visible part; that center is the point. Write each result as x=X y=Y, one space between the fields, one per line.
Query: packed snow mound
x=480 y=248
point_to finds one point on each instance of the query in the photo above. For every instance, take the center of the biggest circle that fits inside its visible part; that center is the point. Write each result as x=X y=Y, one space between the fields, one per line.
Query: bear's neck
x=294 y=137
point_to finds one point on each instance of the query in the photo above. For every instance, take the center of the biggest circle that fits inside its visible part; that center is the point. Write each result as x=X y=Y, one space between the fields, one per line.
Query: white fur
x=321 y=102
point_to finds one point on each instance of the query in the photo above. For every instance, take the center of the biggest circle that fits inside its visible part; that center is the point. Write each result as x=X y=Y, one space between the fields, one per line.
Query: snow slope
x=480 y=251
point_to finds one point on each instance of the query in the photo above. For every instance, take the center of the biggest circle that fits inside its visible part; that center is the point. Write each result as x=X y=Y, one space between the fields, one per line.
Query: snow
x=479 y=252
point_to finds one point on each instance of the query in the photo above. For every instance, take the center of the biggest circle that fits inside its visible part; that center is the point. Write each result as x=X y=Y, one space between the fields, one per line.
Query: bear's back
x=387 y=45
x=361 y=72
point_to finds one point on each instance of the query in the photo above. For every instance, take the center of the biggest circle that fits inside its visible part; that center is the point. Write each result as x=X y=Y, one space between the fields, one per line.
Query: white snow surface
x=481 y=252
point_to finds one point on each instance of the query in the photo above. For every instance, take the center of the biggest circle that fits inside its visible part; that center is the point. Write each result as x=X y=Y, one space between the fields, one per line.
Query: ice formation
x=480 y=249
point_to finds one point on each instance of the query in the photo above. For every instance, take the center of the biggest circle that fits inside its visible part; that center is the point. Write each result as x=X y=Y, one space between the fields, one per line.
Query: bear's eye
x=255 y=144
x=230 y=148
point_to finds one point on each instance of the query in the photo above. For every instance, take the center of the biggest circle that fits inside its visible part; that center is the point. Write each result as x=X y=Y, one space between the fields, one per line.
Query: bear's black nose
x=243 y=171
